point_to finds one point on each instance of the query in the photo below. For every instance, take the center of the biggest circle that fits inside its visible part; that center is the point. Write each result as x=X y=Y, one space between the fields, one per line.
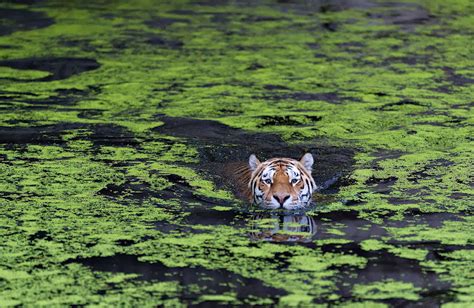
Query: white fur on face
x=259 y=195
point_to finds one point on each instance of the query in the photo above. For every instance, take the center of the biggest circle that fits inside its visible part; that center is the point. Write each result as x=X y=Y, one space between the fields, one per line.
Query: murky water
x=121 y=124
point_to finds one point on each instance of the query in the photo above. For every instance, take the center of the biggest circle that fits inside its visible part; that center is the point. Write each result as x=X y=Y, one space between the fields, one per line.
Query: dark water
x=120 y=123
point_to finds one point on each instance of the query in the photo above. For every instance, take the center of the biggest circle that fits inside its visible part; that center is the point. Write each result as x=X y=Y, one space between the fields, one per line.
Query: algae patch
x=92 y=169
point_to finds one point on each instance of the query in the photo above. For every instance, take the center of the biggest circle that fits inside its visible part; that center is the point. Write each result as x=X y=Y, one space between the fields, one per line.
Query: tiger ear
x=253 y=162
x=307 y=161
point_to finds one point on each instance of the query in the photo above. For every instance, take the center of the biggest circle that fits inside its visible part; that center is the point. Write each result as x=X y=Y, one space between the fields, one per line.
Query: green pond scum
x=104 y=203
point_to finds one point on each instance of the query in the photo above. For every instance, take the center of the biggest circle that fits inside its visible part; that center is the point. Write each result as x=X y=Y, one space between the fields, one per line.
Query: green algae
x=223 y=298
x=403 y=252
x=387 y=289
x=371 y=84
x=334 y=241
x=364 y=304
x=457 y=268
x=450 y=233
x=10 y=73
x=296 y=300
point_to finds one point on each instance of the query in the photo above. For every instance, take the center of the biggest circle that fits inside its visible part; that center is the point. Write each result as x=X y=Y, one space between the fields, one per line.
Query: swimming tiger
x=281 y=182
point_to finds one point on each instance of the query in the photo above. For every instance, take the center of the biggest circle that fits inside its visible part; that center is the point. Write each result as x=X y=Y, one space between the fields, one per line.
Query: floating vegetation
x=120 y=122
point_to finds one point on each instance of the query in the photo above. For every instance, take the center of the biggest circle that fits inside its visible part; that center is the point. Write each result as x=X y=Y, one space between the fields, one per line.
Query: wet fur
x=239 y=175
x=244 y=179
x=271 y=182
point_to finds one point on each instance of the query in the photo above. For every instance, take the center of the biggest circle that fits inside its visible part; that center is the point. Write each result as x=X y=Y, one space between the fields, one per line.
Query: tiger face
x=282 y=182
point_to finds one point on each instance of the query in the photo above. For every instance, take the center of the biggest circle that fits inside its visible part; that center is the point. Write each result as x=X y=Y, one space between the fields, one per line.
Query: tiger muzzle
x=281 y=198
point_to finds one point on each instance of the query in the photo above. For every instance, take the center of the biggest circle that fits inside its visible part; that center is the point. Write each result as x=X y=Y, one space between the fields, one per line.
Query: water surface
x=118 y=122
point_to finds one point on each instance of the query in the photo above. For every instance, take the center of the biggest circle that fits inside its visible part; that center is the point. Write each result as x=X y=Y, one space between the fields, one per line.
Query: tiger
x=281 y=183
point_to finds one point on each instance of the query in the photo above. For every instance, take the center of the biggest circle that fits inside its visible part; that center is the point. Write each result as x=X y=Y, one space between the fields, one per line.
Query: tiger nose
x=281 y=198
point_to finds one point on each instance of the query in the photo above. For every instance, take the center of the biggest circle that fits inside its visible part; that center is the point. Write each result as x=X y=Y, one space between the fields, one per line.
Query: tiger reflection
x=282 y=228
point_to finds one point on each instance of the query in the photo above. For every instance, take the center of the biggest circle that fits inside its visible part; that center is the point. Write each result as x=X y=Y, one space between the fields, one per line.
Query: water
x=121 y=125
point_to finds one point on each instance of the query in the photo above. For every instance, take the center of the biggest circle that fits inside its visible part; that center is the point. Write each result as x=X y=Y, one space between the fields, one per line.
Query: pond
x=122 y=123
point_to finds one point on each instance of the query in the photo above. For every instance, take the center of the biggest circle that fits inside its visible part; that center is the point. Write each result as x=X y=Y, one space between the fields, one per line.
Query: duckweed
x=85 y=176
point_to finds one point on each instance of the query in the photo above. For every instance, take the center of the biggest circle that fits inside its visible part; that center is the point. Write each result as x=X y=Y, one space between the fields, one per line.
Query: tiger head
x=282 y=182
